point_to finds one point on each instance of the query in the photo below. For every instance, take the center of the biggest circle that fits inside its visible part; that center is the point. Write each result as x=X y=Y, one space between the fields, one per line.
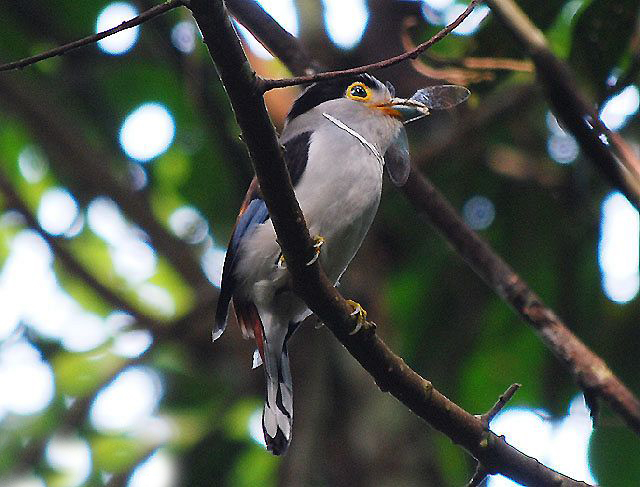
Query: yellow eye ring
x=358 y=91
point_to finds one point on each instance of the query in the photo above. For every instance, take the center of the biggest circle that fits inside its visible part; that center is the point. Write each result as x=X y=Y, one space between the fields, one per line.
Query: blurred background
x=121 y=175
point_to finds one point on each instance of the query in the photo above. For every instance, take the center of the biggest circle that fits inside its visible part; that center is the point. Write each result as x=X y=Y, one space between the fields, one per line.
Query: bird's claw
x=318 y=241
x=359 y=315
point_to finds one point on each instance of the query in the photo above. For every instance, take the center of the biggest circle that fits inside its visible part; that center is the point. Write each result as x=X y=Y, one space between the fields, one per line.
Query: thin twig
x=481 y=472
x=589 y=370
x=269 y=84
x=58 y=51
x=388 y=370
x=502 y=401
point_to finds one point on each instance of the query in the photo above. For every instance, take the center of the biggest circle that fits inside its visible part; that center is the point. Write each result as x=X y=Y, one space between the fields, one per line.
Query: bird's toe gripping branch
x=359 y=316
x=318 y=241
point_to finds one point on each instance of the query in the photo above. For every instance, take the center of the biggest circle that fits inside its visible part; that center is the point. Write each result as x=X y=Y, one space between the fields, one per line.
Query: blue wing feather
x=255 y=214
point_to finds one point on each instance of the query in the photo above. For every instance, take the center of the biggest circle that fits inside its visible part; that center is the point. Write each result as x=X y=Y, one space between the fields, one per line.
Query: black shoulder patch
x=327 y=90
x=296 y=153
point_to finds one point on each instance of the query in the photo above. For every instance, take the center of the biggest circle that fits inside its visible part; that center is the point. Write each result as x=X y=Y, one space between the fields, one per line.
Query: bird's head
x=362 y=94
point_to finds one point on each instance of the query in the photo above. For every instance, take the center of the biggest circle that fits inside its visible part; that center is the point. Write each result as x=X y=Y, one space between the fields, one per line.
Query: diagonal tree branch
x=589 y=370
x=389 y=370
x=60 y=50
x=622 y=169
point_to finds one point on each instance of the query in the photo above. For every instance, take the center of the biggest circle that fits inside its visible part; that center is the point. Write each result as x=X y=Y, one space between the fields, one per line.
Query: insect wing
x=441 y=97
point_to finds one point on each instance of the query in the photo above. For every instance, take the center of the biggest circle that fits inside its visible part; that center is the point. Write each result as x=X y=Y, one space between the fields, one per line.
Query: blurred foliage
x=602 y=33
x=429 y=305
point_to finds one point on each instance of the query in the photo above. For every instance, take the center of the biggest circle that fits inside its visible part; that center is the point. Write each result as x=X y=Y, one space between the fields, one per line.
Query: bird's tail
x=277 y=417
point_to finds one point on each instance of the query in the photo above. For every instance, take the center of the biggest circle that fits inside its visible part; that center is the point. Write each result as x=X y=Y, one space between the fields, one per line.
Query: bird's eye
x=358 y=91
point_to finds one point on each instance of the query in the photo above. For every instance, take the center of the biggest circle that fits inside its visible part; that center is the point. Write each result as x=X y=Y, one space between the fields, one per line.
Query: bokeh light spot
x=147 y=132
x=439 y=5
x=188 y=224
x=33 y=164
x=562 y=445
x=479 y=212
x=563 y=148
x=346 y=21
x=111 y=16
x=134 y=260
x=71 y=456
x=85 y=332
x=212 y=264
x=128 y=401
x=158 y=298
x=618 y=249
x=26 y=380
x=618 y=109
x=468 y=25
x=25 y=481
x=133 y=343
x=284 y=12
x=57 y=211
x=183 y=36
x=255 y=427
x=159 y=470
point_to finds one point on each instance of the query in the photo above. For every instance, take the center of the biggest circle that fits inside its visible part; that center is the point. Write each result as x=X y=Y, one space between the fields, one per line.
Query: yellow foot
x=280 y=263
x=316 y=247
x=359 y=316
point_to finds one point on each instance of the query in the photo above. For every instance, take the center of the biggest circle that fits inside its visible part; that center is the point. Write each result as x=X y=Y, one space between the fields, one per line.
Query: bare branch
x=502 y=401
x=589 y=370
x=269 y=84
x=389 y=371
x=571 y=107
x=60 y=50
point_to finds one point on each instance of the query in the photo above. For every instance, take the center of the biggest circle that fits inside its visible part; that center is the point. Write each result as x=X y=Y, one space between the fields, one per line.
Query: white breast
x=339 y=195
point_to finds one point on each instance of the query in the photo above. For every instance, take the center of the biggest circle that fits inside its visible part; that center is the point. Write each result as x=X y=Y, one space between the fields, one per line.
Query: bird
x=337 y=138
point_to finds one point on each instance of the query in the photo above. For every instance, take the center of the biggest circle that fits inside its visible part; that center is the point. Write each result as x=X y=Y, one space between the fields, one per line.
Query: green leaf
x=255 y=467
x=236 y=423
x=601 y=35
x=79 y=374
x=116 y=454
